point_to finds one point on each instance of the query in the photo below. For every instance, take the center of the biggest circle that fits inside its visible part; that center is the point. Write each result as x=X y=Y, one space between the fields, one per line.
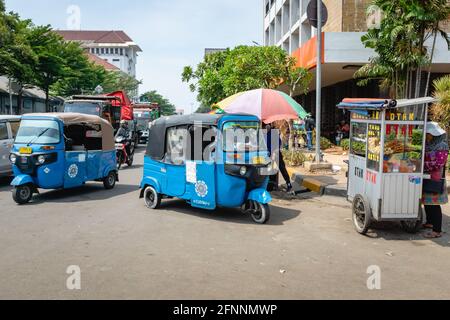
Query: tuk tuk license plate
x=259 y=160
x=25 y=150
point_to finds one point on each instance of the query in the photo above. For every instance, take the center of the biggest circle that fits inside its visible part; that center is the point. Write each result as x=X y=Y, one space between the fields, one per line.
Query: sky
x=171 y=33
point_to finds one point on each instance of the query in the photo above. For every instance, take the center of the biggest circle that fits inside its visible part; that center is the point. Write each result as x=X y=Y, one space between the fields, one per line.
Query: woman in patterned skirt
x=436 y=155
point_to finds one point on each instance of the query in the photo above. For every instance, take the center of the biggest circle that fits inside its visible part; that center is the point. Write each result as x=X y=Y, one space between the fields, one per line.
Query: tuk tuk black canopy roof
x=157 y=131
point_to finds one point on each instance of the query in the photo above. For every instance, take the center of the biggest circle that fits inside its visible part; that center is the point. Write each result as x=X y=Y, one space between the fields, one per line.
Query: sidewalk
x=334 y=184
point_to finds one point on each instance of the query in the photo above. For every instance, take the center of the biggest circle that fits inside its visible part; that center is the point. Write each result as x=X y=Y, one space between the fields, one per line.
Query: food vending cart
x=386 y=160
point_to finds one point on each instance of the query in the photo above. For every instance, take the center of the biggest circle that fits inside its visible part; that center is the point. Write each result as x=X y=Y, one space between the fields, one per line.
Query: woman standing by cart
x=435 y=190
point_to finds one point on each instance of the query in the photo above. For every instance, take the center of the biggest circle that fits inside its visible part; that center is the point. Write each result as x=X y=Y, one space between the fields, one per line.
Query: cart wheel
x=362 y=214
x=260 y=212
x=152 y=198
x=110 y=181
x=413 y=226
x=22 y=194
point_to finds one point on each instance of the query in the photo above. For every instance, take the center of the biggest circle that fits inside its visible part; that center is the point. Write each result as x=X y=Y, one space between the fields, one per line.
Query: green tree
x=400 y=44
x=80 y=75
x=167 y=108
x=440 y=112
x=51 y=63
x=120 y=81
x=244 y=68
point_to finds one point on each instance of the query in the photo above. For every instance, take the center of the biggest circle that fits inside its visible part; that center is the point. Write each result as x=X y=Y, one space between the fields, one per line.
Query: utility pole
x=10 y=97
x=319 y=81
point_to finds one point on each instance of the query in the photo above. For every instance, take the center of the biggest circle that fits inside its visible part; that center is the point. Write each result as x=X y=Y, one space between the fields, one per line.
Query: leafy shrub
x=294 y=158
x=325 y=143
x=417 y=137
x=345 y=144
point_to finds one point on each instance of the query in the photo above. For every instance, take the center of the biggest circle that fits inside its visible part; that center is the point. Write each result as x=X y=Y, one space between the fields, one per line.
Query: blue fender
x=260 y=195
x=150 y=181
x=21 y=180
x=108 y=169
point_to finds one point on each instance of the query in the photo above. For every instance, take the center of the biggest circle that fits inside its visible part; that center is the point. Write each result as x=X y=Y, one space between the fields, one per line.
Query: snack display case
x=386 y=160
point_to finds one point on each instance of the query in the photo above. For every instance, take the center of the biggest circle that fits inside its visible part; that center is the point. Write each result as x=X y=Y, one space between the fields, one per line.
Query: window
x=103 y=51
x=38 y=132
x=3 y=131
x=176 y=145
x=14 y=128
x=116 y=60
x=374 y=144
x=121 y=51
x=83 y=137
x=358 y=141
x=243 y=136
x=116 y=50
x=403 y=149
x=97 y=50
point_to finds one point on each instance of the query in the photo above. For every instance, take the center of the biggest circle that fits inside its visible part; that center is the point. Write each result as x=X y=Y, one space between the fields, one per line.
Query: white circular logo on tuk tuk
x=73 y=171
x=201 y=189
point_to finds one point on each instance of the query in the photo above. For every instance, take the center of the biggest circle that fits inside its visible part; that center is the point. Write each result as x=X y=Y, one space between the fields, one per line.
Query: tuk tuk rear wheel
x=260 y=212
x=152 y=198
x=22 y=194
x=110 y=181
x=362 y=214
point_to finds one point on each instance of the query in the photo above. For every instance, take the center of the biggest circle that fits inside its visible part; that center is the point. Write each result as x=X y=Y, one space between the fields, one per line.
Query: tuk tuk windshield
x=91 y=108
x=38 y=132
x=243 y=136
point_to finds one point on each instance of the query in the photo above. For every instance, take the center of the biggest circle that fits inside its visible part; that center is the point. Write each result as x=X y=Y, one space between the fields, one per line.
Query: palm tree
x=440 y=112
x=400 y=44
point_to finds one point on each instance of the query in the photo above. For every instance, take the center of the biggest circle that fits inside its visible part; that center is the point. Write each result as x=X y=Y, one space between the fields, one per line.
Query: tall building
x=115 y=48
x=286 y=25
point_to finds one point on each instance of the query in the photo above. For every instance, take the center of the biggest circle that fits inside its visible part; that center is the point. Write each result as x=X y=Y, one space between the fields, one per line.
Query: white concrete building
x=286 y=25
x=114 y=47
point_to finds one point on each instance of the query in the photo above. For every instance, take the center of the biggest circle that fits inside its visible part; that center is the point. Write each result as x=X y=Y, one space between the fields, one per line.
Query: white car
x=9 y=125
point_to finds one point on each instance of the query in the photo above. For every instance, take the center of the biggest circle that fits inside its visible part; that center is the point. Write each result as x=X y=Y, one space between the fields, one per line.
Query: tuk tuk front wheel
x=130 y=161
x=110 y=181
x=260 y=212
x=362 y=214
x=152 y=198
x=22 y=194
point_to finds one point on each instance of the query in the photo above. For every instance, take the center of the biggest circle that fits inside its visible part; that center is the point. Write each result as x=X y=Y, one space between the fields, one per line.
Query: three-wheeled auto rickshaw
x=386 y=162
x=62 y=150
x=210 y=161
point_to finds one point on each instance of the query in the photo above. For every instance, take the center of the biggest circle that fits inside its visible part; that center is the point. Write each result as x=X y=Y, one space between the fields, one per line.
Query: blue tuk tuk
x=62 y=150
x=210 y=161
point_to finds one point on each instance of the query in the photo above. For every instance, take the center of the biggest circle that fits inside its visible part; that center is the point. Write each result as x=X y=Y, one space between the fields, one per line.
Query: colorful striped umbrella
x=268 y=105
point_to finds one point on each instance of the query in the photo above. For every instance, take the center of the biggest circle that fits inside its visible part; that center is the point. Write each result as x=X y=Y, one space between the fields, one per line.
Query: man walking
x=310 y=125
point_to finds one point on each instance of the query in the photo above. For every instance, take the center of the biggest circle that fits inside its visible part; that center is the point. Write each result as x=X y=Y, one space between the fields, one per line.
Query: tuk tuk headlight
x=243 y=171
x=41 y=159
x=13 y=158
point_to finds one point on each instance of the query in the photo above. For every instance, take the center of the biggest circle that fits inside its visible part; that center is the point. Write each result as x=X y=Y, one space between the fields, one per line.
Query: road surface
x=126 y=251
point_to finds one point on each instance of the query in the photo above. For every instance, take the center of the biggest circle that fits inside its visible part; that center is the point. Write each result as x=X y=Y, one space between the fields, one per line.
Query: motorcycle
x=121 y=152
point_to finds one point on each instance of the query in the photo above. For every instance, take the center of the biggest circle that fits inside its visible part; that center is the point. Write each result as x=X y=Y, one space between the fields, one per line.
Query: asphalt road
x=126 y=251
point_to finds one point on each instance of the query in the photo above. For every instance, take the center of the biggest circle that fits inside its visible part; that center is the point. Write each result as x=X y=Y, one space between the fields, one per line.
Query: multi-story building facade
x=116 y=48
x=286 y=25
